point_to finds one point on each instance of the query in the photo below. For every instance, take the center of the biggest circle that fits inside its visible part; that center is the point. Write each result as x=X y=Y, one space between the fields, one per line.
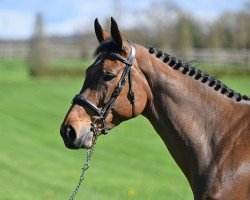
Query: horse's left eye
x=108 y=76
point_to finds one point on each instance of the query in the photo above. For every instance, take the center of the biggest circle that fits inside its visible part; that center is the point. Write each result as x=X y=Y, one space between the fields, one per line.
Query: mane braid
x=197 y=74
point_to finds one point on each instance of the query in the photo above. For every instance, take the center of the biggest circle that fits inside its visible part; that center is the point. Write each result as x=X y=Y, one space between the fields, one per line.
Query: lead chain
x=84 y=168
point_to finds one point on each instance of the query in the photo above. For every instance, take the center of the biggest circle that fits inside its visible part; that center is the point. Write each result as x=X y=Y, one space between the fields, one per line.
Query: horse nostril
x=71 y=133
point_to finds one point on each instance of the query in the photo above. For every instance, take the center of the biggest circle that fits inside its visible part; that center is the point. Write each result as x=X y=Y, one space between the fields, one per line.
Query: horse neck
x=187 y=114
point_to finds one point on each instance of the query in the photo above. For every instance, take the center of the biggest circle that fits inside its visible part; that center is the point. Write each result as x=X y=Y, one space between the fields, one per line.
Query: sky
x=65 y=17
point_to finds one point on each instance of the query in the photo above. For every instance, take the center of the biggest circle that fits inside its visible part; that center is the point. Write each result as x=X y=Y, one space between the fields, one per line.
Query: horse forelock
x=106 y=46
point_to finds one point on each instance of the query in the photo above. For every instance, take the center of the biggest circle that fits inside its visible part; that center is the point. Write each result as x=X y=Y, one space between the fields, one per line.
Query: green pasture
x=131 y=162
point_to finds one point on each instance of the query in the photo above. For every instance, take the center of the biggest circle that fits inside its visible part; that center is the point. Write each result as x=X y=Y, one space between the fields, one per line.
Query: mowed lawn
x=131 y=162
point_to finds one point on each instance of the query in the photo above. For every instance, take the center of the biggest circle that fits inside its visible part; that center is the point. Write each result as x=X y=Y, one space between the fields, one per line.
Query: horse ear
x=100 y=34
x=116 y=35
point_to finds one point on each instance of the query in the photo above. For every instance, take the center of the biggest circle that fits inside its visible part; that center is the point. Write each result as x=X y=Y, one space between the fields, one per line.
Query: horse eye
x=108 y=76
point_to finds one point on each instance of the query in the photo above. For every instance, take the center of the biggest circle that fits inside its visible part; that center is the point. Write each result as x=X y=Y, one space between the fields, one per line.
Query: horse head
x=114 y=90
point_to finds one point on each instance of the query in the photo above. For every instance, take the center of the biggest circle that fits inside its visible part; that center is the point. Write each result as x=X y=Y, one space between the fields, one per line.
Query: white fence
x=13 y=50
x=220 y=56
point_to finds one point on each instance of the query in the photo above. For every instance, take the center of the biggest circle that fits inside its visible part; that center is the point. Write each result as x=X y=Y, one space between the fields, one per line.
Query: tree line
x=168 y=26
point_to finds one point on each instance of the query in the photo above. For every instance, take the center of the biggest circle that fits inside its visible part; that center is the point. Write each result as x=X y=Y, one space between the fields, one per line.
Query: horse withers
x=204 y=124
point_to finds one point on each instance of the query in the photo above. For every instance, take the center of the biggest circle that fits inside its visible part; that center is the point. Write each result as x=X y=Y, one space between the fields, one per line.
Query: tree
x=183 y=32
x=39 y=55
x=158 y=23
x=214 y=41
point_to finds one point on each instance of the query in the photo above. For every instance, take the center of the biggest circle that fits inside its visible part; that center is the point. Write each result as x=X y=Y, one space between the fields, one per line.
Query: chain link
x=85 y=167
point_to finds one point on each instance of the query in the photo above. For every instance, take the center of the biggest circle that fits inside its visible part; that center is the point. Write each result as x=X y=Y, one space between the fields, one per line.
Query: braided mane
x=197 y=74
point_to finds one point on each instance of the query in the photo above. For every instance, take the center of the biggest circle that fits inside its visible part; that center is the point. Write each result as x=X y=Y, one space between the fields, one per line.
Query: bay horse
x=204 y=124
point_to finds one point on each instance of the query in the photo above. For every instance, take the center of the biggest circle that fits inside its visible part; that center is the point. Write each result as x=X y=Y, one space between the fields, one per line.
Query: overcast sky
x=68 y=16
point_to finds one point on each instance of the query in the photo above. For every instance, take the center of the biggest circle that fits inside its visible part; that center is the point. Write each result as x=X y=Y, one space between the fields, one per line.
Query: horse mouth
x=87 y=140
x=84 y=141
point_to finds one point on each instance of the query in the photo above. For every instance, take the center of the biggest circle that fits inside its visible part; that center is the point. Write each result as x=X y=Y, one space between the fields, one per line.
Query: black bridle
x=102 y=113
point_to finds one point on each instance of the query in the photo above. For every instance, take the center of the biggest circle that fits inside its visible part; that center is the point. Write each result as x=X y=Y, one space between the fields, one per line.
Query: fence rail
x=219 y=56
x=14 y=50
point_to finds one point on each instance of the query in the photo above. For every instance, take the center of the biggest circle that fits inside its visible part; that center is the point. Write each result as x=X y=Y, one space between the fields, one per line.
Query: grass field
x=131 y=162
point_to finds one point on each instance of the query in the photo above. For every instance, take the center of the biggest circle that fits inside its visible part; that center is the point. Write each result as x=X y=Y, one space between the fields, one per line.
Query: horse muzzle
x=74 y=140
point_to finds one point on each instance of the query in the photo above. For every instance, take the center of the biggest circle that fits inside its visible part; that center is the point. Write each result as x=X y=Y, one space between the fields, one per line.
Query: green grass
x=131 y=162
x=72 y=63
x=228 y=70
x=13 y=70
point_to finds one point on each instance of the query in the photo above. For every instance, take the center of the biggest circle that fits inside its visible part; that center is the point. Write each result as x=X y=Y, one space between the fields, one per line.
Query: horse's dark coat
x=204 y=124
